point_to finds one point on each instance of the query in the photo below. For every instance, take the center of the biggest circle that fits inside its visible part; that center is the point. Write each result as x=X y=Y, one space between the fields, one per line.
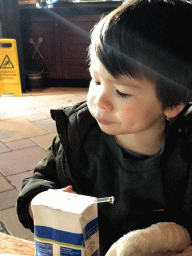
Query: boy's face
x=123 y=105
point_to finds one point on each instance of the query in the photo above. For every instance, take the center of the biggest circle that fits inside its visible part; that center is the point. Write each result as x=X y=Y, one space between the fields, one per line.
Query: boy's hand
x=68 y=189
x=30 y=211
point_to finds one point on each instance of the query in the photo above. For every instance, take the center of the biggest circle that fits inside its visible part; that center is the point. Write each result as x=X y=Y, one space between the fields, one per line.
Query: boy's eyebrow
x=132 y=83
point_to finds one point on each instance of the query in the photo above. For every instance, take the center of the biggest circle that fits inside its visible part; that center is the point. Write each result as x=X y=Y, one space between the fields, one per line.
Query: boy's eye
x=96 y=82
x=122 y=95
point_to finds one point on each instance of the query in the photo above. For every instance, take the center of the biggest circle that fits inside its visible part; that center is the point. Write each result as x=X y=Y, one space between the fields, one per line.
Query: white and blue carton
x=65 y=224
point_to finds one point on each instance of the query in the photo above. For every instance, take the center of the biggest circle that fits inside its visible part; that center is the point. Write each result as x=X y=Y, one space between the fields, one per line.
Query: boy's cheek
x=89 y=93
x=90 y=99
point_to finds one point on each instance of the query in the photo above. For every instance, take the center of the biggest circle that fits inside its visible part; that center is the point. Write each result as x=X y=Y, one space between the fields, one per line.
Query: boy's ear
x=174 y=111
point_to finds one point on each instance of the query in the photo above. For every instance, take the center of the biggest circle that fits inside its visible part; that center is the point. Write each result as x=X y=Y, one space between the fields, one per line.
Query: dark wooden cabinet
x=75 y=40
x=57 y=40
x=41 y=44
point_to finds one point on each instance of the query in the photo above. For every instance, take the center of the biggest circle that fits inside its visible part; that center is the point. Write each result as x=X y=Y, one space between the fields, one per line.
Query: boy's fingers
x=68 y=189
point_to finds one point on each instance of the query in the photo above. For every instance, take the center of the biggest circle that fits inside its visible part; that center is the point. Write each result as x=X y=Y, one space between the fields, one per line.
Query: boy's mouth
x=102 y=121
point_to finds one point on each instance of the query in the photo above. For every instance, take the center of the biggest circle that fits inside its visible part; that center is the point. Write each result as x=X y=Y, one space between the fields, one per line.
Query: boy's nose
x=103 y=102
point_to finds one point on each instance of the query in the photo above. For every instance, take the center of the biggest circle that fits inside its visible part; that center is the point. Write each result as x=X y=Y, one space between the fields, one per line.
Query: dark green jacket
x=146 y=191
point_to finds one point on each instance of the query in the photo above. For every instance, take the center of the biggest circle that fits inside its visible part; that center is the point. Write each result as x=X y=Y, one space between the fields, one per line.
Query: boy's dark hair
x=150 y=38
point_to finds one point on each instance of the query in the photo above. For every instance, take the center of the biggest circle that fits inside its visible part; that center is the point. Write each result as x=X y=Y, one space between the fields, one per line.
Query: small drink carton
x=65 y=224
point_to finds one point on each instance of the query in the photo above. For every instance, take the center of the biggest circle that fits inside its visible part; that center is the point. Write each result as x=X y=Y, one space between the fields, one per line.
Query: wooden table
x=16 y=246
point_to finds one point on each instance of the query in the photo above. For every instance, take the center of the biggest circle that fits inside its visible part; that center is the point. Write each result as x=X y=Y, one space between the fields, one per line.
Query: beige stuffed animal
x=161 y=239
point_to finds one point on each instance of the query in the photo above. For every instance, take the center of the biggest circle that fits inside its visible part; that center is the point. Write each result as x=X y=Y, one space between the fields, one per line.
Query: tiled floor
x=26 y=130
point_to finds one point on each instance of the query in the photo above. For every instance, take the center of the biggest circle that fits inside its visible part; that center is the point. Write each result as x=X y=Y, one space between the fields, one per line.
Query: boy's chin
x=108 y=131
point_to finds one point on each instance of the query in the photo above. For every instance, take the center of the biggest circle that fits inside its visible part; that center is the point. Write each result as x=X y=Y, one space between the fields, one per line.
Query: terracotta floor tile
x=8 y=199
x=21 y=160
x=19 y=128
x=47 y=124
x=20 y=144
x=46 y=110
x=17 y=114
x=37 y=117
x=5 y=185
x=55 y=97
x=60 y=104
x=44 y=141
x=26 y=131
x=62 y=101
x=13 y=104
x=69 y=99
x=50 y=90
x=17 y=179
x=9 y=217
x=3 y=148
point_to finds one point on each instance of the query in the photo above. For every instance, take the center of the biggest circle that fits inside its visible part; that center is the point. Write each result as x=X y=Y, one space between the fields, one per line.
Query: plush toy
x=161 y=239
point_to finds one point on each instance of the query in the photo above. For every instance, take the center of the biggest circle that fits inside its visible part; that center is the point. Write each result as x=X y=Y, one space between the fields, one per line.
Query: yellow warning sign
x=10 y=81
x=6 y=63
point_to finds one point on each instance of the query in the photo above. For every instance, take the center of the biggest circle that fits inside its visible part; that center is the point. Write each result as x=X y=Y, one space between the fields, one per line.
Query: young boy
x=132 y=139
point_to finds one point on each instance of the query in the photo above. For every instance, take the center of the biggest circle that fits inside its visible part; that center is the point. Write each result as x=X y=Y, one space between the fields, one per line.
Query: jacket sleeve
x=45 y=177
